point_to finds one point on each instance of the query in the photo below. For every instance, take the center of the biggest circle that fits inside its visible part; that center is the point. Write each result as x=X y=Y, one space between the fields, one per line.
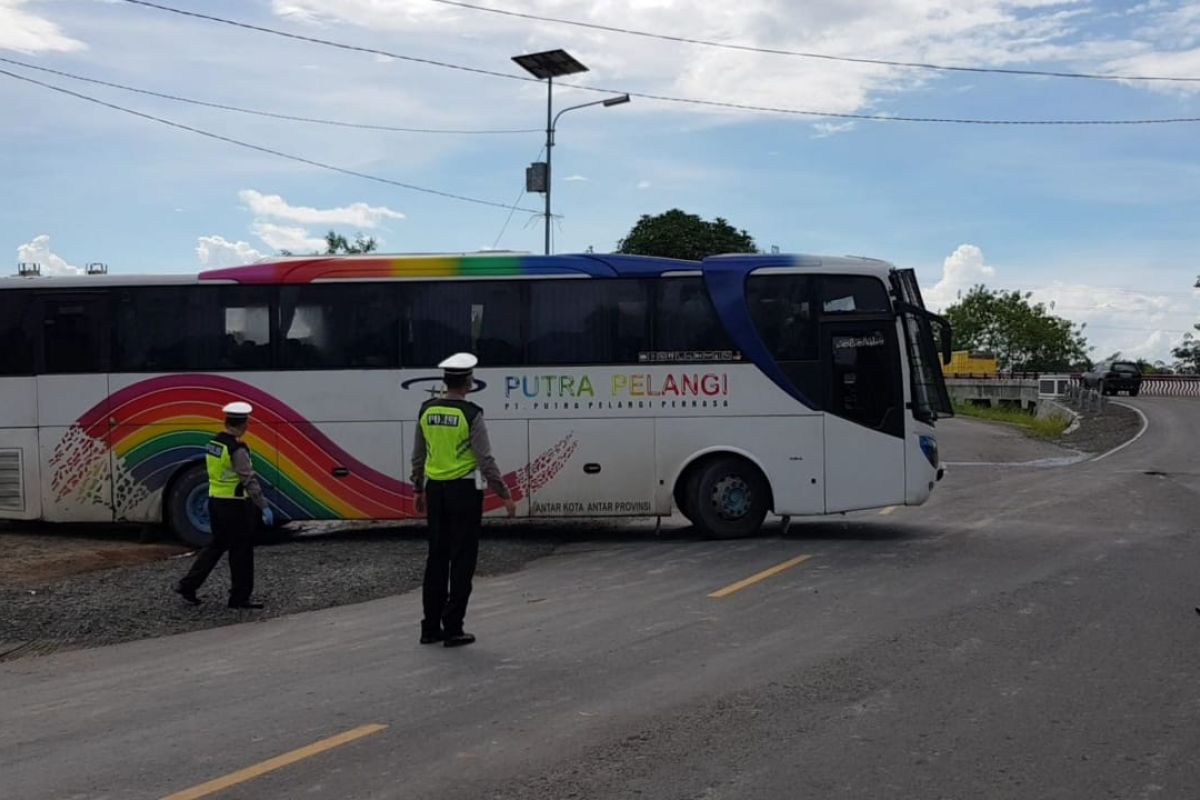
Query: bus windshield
x=928 y=339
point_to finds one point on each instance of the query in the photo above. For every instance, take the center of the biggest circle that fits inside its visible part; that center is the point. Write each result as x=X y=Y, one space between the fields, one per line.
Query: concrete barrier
x=995 y=391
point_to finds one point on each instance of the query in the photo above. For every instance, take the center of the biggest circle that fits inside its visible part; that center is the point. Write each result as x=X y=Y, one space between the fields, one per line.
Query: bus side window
x=350 y=326
x=246 y=332
x=587 y=321
x=685 y=320
x=476 y=316
x=74 y=333
x=854 y=294
x=156 y=328
x=16 y=332
x=781 y=307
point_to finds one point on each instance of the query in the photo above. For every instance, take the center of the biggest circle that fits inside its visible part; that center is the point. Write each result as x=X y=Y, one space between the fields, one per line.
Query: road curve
x=1027 y=633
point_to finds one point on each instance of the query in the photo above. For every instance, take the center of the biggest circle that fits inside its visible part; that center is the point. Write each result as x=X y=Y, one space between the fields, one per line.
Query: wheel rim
x=196 y=508
x=732 y=498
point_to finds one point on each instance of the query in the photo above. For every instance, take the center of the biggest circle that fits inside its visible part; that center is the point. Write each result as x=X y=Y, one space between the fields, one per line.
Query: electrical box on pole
x=536 y=177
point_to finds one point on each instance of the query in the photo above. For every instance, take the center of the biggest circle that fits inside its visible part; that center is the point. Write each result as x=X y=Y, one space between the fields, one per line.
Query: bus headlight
x=929 y=447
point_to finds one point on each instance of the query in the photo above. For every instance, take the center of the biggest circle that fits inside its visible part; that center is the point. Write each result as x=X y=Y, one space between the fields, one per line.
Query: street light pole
x=547 y=66
x=549 y=152
x=551 y=128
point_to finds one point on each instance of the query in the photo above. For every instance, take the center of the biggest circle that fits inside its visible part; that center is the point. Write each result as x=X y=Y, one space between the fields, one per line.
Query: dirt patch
x=31 y=556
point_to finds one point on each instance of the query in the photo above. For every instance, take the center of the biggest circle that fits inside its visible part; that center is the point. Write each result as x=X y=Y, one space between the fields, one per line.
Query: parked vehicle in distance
x=1111 y=377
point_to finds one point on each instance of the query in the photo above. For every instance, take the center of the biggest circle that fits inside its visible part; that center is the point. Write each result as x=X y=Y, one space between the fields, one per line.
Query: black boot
x=188 y=594
x=244 y=604
x=459 y=639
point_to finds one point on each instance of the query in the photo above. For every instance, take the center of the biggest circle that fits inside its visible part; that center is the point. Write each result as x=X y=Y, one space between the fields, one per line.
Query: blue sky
x=1102 y=221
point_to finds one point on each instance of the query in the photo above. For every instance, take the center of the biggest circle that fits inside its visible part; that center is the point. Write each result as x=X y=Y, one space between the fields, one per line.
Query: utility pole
x=549 y=152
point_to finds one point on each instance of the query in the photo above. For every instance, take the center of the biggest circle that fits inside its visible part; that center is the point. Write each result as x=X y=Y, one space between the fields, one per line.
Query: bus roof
x=300 y=270
x=480 y=266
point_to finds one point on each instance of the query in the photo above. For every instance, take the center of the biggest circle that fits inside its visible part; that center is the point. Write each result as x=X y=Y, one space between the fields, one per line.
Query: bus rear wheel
x=729 y=498
x=187 y=507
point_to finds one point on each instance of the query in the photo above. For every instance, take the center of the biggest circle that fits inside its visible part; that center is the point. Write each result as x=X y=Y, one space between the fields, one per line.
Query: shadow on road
x=854 y=530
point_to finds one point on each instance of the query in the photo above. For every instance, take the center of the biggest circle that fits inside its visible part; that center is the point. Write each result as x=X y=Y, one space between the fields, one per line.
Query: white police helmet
x=459 y=365
x=238 y=410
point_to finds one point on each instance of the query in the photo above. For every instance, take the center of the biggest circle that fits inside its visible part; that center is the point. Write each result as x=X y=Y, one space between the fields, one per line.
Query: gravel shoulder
x=1099 y=433
x=43 y=609
x=970 y=440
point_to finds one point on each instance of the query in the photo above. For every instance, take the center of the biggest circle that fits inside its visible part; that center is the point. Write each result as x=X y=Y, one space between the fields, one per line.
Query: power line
x=256 y=112
x=803 y=54
x=330 y=43
x=665 y=98
x=259 y=148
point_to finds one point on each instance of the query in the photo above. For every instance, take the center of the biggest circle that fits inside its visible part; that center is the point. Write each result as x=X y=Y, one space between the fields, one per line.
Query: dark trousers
x=455 y=509
x=232 y=530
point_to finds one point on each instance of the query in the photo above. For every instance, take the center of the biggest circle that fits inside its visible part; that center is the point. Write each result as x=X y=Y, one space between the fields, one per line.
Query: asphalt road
x=1029 y=633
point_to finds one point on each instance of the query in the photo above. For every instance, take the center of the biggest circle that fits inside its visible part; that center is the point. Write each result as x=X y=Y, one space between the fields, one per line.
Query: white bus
x=613 y=385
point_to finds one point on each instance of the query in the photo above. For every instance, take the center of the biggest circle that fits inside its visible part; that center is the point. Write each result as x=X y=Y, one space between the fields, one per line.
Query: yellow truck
x=966 y=362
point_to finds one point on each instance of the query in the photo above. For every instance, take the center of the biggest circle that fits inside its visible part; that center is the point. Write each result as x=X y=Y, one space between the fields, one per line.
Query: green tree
x=1187 y=354
x=676 y=234
x=1024 y=336
x=336 y=244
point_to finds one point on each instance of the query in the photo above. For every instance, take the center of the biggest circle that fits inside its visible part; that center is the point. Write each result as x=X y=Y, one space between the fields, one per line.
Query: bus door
x=72 y=366
x=864 y=424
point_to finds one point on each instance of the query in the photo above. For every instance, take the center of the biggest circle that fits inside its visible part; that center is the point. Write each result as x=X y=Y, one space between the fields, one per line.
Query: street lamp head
x=550 y=64
x=616 y=101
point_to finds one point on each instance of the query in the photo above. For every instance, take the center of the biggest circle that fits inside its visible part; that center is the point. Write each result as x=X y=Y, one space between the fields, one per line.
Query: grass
x=1040 y=428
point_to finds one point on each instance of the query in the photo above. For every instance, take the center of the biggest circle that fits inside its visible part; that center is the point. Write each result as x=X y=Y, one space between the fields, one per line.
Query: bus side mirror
x=947 y=353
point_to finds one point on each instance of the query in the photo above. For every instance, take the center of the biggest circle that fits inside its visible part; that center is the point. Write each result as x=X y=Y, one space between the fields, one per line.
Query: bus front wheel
x=729 y=498
x=187 y=507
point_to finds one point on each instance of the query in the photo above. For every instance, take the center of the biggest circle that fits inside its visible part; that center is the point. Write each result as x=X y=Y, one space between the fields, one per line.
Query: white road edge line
x=1140 y=434
x=1041 y=463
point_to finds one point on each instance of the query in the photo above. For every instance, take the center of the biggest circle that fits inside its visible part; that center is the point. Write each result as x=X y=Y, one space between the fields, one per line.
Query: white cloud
x=357 y=215
x=25 y=32
x=575 y=179
x=1138 y=323
x=292 y=238
x=38 y=252
x=961 y=270
x=644 y=185
x=826 y=129
x=217 y=251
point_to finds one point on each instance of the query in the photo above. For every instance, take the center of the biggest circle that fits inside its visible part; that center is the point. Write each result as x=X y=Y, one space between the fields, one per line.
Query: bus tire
x=187 y=507
x=729 y=497
x=684 y=495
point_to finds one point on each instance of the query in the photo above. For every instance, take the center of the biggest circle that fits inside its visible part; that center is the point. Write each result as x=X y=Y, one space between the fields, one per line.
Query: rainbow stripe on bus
x=155 y=426
x=300 y=271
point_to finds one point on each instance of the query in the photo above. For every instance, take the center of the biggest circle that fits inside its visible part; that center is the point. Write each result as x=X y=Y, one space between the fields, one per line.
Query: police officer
x=450 y=450
x=235 y=498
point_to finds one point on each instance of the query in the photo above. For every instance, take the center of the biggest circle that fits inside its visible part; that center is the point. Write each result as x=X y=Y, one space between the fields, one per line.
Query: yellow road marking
x=885 y=512
x=761 y=576
x=272 y=764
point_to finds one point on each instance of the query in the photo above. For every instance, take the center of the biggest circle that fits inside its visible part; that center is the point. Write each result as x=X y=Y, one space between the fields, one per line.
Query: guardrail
x=1152 y=385
x=1171 y=385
